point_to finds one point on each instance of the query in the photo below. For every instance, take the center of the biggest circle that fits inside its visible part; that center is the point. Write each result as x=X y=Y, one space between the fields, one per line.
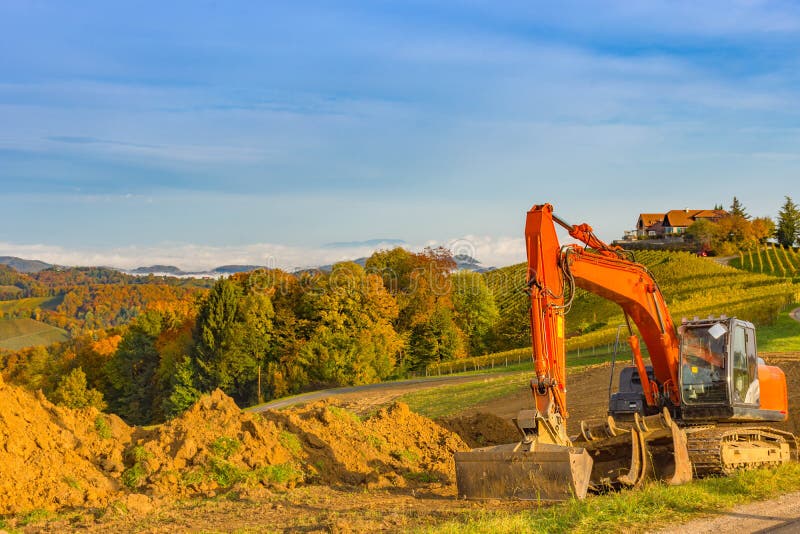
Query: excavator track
x=721 y=450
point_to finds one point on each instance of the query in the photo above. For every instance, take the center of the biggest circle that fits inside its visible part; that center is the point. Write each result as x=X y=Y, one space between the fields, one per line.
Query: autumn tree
x=761 y=229
x=787 y=231
x=73 y=392
x=475 y=309
x=704 y=233
x=354 y=341
x=422 y=286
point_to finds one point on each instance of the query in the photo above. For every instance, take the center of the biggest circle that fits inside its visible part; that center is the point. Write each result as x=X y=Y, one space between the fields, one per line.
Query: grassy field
x=16 y=334
x=781 y=336
x=692 y=287
x=30 y=304
x=447 y=400
x=647 y=509
x=450 y=399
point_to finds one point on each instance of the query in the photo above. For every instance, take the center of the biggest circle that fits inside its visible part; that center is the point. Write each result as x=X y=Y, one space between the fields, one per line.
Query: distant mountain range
x=24 y=266
x=463 y=261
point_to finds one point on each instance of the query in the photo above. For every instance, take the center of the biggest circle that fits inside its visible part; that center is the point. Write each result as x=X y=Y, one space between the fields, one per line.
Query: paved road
x=776 y=516
x=414 y=383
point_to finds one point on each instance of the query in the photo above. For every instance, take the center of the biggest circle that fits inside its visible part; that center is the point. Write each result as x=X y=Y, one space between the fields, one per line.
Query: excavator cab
x=721 y=374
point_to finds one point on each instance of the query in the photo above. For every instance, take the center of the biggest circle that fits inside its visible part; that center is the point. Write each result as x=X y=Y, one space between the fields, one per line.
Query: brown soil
x=52 y=457
x=55 y=458
x=482 y=429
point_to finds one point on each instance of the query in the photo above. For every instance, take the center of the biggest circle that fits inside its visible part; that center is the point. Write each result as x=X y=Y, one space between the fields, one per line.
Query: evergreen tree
x=234 y=336
x=183 y=391
x=737 y=209
x=788 y=227
x=132 y=370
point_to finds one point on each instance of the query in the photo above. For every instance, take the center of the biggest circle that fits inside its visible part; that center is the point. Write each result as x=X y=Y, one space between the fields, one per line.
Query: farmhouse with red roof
x=673 y=222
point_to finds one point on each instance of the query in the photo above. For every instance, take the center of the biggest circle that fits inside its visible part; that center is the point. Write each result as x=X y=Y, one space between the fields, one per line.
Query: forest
x=147 y=349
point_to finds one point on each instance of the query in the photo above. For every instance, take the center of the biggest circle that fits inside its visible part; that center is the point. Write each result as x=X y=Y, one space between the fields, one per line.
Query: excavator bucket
x=524 y=471
x=648 y=448
x=605 y=457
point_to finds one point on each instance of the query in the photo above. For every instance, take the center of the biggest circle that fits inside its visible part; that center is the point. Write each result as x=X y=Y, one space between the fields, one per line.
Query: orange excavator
x=699 y=408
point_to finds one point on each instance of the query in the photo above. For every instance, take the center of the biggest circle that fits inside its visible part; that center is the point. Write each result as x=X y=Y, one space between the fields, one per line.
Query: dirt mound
x=395 y=447
x=482 y=429
x=213 y=445
x=52 y=457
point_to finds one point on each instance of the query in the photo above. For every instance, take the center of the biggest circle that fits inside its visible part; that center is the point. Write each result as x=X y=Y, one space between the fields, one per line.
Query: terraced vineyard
x=692 y=287
x=773 y=260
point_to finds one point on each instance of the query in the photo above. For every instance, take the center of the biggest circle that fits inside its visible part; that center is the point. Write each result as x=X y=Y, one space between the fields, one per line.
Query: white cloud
x=490 y=251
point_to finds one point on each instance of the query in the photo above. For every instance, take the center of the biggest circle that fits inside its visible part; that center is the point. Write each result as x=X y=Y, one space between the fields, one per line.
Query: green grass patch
x=446 y=400
x=277 y=474
x=224 y=473
x=405 y=455
x=781 y=336
x=136 y=475
x=376 y=442
x=426 y=477
x=344 y=415
x=290 y=441
x=654 y=506
x=102 y=427
x=16 y=334
x=225 y=446
x=34 y=516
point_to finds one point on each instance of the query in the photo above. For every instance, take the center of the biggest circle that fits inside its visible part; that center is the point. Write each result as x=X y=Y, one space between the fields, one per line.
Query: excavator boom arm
x=604 y=271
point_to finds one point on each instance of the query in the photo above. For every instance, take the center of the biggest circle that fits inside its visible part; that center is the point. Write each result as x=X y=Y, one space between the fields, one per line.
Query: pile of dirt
x=482 y=429
x=213 y=445
x=53 y=457
x=395 y=447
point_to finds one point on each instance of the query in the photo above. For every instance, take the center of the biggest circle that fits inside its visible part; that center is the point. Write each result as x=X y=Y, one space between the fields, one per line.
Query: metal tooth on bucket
x=525 y=471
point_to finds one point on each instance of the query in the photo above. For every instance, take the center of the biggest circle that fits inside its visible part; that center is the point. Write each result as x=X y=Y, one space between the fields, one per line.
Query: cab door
x=745 y=388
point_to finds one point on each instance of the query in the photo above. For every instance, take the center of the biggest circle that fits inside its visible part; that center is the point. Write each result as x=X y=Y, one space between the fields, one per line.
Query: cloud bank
x=490 y=251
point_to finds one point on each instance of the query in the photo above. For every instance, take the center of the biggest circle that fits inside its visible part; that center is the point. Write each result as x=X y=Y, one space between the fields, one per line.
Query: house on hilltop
x=649 y=225
x=677 y=221
x=673 y=222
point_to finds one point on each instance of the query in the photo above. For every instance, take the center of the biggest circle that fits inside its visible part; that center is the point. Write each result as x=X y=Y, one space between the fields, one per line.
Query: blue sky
x=158 y=129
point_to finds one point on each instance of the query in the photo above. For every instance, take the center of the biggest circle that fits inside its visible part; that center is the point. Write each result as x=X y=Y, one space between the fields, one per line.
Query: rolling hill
x=17 y=334
x=692 y=287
